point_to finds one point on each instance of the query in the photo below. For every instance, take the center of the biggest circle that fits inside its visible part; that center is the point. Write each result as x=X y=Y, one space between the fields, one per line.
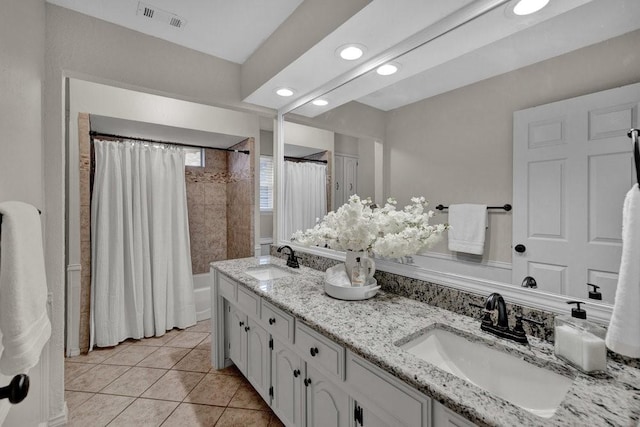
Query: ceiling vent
x=159 y=15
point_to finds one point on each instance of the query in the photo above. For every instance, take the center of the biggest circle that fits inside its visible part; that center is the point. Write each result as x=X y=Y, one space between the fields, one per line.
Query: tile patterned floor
x=164 y=381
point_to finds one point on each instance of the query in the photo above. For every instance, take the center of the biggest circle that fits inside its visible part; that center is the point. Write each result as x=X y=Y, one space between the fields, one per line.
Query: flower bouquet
x=360 y=225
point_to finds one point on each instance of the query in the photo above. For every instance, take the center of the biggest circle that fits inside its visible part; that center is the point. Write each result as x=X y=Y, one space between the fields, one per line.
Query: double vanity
x=393 y=361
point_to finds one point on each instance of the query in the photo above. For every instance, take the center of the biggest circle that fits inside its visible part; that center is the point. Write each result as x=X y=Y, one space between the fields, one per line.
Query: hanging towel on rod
x=623 y=335
x=468 y=224
x=24 y=322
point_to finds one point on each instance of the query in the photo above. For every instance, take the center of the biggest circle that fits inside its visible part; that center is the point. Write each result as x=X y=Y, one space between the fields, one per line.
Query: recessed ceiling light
x=320 y=102
x=351 y=52
x=387 y=69
x=527 y=7
x=284 y=91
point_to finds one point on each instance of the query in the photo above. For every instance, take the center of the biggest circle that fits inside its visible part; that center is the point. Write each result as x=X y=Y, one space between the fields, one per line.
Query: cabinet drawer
x=277 y=322
x=391 y=398
x=227 y=288
x=249 y=302
x=321 y=352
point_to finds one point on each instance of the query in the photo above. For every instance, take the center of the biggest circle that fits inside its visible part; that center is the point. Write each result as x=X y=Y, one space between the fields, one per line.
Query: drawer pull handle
x=313 y=351
x=307 y=382
x=272 y=320
x=296 y=373
x=246 y=328
x=241 y=324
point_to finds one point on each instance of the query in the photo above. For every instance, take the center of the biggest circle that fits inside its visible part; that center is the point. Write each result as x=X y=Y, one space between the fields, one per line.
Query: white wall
x=21 y=80
x=345 y=144
x=22 y=37
x=457 y=147
x=307 y=136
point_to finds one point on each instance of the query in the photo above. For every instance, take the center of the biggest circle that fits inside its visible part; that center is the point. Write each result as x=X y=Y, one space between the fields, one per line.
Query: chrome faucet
x=292 y=260
x=501 y=328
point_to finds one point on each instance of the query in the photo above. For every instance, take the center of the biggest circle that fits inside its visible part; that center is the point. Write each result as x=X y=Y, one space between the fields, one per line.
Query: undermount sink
x=530 y=387
x=268 y=272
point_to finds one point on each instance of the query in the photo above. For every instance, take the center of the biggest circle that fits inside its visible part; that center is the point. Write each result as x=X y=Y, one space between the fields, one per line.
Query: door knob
x=520 y=248
x=296 y=373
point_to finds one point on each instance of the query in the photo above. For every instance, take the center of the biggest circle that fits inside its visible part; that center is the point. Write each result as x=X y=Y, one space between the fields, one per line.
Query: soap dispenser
x=580 y=342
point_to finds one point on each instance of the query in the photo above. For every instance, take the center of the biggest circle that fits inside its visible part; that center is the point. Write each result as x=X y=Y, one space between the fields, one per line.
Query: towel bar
x=17 y=389
x=506 y=207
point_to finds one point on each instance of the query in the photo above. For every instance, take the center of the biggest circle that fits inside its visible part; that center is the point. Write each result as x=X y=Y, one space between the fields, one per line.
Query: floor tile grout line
x=172 y=368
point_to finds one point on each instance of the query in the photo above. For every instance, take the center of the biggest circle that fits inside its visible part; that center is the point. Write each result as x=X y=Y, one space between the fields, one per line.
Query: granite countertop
x=372 y=328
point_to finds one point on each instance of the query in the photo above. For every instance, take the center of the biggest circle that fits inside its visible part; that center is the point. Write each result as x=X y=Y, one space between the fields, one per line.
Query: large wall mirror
x=442 y=126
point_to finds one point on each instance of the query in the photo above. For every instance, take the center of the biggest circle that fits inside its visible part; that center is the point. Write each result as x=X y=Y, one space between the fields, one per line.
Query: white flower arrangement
x=360 y=225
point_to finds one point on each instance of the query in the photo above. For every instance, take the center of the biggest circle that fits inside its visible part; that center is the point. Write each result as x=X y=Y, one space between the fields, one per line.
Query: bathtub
x=202 y=295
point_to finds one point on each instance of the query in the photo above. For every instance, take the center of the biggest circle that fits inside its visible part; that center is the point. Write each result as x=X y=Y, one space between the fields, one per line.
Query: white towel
x=24 y=322
x=468 y=224
x=623 y=335
x=337 y=275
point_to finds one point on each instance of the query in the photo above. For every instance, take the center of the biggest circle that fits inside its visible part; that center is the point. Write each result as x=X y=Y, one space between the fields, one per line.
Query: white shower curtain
x=141 y=278
x=305 y=195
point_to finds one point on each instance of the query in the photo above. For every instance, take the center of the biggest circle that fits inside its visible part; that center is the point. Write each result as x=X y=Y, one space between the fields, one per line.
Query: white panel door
x=338 y=170
x=287 y=371
x=258 y=362
x=350 y=177
x=572 y=168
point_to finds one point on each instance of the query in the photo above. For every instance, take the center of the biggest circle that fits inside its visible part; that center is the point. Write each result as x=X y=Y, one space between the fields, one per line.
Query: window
x=194 y=157
x=266 y=183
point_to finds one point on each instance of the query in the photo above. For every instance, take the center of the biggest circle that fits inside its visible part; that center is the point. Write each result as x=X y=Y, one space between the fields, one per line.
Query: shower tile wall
x=241 y=201
x=207 y=206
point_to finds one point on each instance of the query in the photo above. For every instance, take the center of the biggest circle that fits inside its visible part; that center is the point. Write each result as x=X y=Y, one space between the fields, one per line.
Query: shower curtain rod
x=302 y=159
x=133 y=138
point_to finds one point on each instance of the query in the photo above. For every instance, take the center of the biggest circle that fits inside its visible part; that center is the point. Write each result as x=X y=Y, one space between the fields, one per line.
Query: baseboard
x=58 y=420
x=203 y=315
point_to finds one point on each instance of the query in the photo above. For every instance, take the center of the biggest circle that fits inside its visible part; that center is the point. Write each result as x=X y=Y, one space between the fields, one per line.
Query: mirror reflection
x=445 y=130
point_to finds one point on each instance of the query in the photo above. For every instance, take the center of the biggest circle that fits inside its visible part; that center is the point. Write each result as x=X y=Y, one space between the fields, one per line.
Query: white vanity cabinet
x=248 y=348
x=308 y=379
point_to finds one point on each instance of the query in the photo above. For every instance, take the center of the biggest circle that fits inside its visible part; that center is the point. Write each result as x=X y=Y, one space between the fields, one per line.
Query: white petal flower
x=361 y=226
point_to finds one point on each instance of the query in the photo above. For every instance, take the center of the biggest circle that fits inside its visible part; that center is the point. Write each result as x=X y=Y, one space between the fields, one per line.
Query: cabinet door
x=327 y=404
x=287 y=371
x=258 y=369
x=236 y=321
